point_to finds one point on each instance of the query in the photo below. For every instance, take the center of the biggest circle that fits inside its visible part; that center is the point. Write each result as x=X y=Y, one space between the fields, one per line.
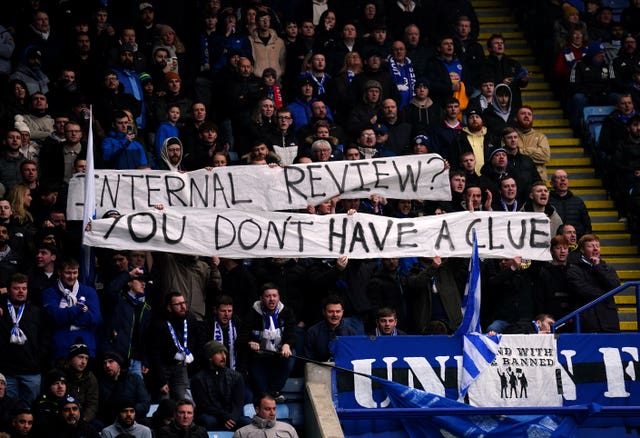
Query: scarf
x=395 y=332
x=404 y=77
x=320 y=83
x=270 y=337
x=218 y=335
x=350 y=76
x=69 y=298
x=17 y=335
x=505 y=207
x=183 y=354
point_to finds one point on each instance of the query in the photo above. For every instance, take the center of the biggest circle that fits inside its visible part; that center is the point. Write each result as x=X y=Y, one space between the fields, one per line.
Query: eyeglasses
x=284 y=118
x=367 y=135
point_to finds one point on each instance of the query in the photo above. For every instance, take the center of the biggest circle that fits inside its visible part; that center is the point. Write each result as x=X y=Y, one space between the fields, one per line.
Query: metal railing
x=575 y=315
x=591 y=410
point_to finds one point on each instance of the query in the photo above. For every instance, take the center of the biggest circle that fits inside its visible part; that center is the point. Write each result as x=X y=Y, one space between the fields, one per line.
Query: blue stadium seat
x=296 y=412
x=616 y=4
x=220 y=434
x=595 y=114
x=282 y=412
x=293 y=389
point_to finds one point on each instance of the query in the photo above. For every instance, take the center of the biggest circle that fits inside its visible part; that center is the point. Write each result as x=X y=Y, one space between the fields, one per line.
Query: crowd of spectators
x=181 y=86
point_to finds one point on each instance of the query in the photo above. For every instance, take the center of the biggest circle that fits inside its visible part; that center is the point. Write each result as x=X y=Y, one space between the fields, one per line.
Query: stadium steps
x=567 y=153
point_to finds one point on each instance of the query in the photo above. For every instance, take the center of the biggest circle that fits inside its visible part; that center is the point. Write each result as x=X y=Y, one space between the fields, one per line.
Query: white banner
x=263 y=187
x=522 y=374
x=243 y=234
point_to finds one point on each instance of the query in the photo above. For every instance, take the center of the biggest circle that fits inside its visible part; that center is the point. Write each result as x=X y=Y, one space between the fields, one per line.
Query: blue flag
x=478 y=350
x=470 y=425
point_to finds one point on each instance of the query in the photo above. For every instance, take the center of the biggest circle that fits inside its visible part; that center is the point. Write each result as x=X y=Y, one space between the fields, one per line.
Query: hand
x=487 y=203
x=311 y=209
x=215 y=262
x=229 y=424
x=254 y=346
x=136 y=272
x=595 y=260
x=341 y=262
x=144 y=369
x=164 y=389
x=285 y=350
x=437 y=261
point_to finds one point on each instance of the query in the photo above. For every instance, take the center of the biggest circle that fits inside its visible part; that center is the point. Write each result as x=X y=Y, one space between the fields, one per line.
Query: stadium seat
x=595 y=114
x=282 y=412
x=293 y=389
x=220 y=434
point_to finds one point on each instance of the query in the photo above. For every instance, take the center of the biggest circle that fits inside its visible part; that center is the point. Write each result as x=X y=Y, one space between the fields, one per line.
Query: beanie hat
x=54 y=376
x=568 y=10
x=67 y=401
x=22 y=127
x=214 y=347
x=372 y=84
x=144 y=78
x=422 y=139
x=125 y=403
x=78 y=348
x=171 y=75
x=112 y=355
x=495 y=151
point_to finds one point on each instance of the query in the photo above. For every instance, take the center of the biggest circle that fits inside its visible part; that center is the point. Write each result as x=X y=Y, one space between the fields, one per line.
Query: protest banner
x=245 y=234
x=522 y=374
x=263 y=187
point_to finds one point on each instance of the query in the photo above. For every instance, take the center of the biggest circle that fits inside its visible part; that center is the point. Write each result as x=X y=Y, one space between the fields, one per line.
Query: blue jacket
x=63 y=318
x=121 y=153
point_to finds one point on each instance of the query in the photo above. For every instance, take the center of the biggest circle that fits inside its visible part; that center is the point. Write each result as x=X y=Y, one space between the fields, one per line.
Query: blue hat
x=379 y=128
x=422 y=139
x=594 y=48
x=495 y=151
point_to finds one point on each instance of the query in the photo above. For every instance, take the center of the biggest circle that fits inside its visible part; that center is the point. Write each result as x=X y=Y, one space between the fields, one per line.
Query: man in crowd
x=265 y=420
x=218 y=392
x=320 y=335
x=182 y=424
x=570 y=207
x=126 y=424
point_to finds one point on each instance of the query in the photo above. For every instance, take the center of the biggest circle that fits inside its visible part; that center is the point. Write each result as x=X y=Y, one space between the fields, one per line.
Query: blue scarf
x=405 y=79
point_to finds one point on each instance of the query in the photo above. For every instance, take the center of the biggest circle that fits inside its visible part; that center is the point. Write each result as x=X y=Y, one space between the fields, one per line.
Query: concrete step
x=569 y=162
x=629 y=326
x=615 y=238
x=617 y=250
x=515 y=51
x=490 y=20
x=492 y=11
x=586 y=182
x=628 y=275
x=480 y=4
x=484 y=35
x=623 y=262
x=599 y=227
x=600 y=205
x=564 y=141
x=541 y=104
x=556 y=132
x=499 y=27
x=578 y=173
x=551 y=122
x=625 y=300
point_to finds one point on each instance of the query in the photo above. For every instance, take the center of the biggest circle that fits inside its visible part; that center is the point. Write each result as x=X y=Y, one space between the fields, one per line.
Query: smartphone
x=129 y=129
